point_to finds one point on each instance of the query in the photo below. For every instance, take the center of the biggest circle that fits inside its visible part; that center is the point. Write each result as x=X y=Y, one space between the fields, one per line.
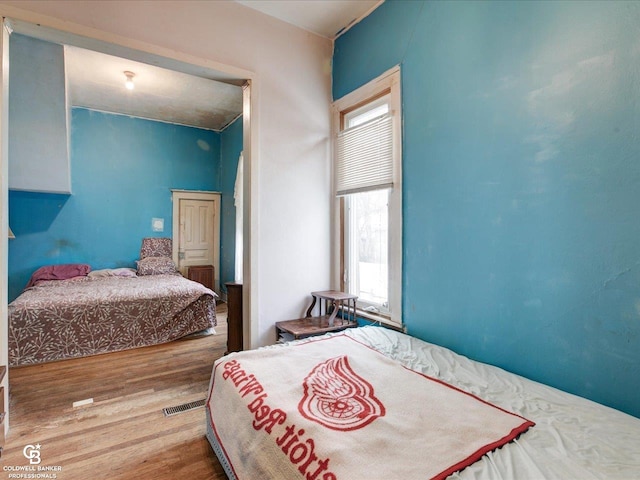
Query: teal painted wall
x=122 y=170
x=230 y=148
x=521 y=181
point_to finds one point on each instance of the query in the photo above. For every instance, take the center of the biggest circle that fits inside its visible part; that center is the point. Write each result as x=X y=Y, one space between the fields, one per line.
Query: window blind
x=364 y=159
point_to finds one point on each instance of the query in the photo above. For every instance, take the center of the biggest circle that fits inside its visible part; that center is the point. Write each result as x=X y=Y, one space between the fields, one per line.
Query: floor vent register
x=185 y=407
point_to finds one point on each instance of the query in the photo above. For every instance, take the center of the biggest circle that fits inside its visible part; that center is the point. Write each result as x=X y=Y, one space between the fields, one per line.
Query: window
x=369 y=197
x=366 y=233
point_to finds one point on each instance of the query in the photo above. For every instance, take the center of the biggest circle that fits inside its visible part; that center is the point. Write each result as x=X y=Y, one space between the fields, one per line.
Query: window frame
x=387 y=83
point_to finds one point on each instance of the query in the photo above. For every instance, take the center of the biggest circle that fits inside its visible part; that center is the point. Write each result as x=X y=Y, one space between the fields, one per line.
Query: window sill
x=375 y=318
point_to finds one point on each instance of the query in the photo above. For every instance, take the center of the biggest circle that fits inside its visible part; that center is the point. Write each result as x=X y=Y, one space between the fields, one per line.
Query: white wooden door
x=197 y=221
x=196 y=232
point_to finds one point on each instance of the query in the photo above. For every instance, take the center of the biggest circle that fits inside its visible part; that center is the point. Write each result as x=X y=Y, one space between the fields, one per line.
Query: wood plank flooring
x=123 y=434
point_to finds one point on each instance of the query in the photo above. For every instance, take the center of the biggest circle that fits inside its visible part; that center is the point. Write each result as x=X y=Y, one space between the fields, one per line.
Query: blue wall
x=230 y=148
x=521 y=182
x=122 y=170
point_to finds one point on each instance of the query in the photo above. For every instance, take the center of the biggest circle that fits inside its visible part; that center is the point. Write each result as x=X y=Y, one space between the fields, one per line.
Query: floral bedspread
x=64 y=319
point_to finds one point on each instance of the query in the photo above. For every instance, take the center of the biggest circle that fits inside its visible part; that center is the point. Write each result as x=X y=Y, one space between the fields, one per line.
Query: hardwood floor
x=123 y=434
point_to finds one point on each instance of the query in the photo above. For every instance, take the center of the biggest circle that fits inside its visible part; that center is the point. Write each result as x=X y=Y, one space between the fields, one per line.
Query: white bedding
x=573 y=438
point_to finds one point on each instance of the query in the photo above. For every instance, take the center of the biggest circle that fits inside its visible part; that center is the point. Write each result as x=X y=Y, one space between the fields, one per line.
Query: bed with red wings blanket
x=372 y=403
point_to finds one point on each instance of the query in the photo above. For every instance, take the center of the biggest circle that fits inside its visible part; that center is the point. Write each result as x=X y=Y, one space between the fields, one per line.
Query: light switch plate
x=157 y=224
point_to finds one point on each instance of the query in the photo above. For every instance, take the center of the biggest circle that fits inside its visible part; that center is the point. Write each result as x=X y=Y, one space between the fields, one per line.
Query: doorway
x=196 y=231
x=69 y=34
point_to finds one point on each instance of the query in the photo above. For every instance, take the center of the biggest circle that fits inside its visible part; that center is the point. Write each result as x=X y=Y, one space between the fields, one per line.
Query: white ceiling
x=323 y=17
x=96 y=80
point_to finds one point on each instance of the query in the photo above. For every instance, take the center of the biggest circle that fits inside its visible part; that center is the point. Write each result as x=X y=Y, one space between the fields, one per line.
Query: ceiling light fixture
x=129 y=82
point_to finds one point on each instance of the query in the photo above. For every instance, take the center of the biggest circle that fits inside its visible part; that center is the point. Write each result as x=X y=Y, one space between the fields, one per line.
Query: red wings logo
x=336 y=397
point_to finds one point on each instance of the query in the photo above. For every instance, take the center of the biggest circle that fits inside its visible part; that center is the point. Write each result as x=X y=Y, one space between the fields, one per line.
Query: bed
x=68 y=311
x=373 y=403
x=57 y=320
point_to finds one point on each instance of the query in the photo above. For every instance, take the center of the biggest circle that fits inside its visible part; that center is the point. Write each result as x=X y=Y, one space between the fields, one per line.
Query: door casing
x=178 y=222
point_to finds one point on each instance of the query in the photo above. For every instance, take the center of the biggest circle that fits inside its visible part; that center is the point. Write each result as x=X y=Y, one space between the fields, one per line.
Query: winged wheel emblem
x=336 y=397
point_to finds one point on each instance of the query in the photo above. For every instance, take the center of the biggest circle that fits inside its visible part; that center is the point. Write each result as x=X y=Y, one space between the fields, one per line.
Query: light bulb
x=129 y=81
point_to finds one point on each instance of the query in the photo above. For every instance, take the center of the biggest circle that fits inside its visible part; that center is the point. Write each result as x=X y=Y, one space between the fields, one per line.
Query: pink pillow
x=59 y=272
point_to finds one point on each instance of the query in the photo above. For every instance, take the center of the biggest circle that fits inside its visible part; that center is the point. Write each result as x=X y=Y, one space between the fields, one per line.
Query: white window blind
x=364 y=159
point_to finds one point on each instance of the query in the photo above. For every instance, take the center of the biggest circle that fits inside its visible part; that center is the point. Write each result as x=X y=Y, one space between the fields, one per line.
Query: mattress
x=573 y=438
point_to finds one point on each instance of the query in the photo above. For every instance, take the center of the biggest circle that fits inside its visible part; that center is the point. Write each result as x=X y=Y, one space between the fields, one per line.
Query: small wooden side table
x=204 y=274
x=331 y=302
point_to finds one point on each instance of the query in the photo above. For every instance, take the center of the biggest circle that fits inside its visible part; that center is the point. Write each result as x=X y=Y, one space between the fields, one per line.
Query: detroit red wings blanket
x=333 y=408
